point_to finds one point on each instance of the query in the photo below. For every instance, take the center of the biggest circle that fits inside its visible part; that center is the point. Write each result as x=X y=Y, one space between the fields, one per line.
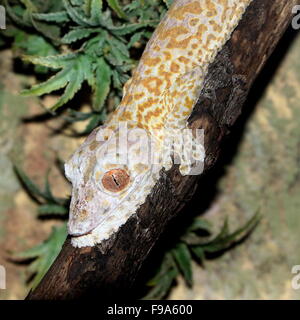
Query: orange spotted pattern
x=166 y=83
x=160 y=95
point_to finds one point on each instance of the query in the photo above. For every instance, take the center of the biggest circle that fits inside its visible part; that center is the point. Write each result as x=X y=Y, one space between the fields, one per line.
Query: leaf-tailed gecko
x=158 y=99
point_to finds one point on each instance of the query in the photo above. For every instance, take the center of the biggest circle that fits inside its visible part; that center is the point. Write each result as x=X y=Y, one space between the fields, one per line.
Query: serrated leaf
x=54 y=62
x=183 y=259
x=114 y=4
x=102 y=84
x=71 y=77
x=76 y=16
x=224 y=231
x=94 y=46
x=246 y=228
x=200 y=224
x=199 y=253
x=57 y=17
x=192 y=239
x=135 y=38
x=94 y=122
x=117 y=83
x=33 y=45
x=167 y=264
x=16 y=18
x=44 y=253
x=118 y=46
x=29 y=5
x=32 y=188
x=118 y=54
x=30 y=253
x=77 y=2
x=96 y=11
x=77 y=34
x=163 y=287
x=56 y=82
x=47 y=189
x=75 y=81
x=225 y=239
x=49 y=31
x=48 y=195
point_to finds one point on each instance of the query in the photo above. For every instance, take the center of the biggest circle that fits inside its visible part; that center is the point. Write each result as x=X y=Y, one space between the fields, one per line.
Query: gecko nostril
x=115 y=180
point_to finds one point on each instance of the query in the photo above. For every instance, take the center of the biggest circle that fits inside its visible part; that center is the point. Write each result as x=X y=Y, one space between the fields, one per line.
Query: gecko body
x=158 y=99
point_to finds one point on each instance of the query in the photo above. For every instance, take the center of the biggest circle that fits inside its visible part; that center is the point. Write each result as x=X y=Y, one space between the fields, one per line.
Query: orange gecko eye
x=115 y=180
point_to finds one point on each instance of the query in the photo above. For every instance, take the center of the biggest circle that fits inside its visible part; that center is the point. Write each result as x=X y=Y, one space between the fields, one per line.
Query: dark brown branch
x=112 y=267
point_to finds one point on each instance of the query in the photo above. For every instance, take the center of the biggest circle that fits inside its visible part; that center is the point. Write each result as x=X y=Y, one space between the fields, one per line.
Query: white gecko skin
x=158 y=98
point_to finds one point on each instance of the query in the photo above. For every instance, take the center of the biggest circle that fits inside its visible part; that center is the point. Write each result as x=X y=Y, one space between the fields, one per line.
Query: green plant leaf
x=54 y=62
x=182 y=253
x=57 y=17
x=167 y=264
x=75 y=15
x=102 y=84
x=36 y=192
x=77 y=34
x=114 y=4
x=52 y=209
x=183 y=259
x=163 y=287
x=225 y=239
x=199 y=253
x=96 y=11
x=73 y=74
x=31 y=187
x=199 y=224
x=135 y=38
x=164 y=278
x=94 y=122
x=118 y=54
x=33 y=45
x=56 y=82
x=17 y=18
x=48 y=195
x=44 y=253
x=74 y=115
x=29 y=5
x=50 y=31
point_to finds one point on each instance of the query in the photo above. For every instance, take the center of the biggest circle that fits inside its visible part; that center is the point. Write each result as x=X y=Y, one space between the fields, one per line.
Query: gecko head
x=108 y=183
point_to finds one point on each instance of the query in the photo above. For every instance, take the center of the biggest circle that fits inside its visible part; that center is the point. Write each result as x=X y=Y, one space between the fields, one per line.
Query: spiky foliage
x=91 y=41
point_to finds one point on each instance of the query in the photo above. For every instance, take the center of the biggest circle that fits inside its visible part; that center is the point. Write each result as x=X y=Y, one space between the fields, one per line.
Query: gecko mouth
x=79 y=233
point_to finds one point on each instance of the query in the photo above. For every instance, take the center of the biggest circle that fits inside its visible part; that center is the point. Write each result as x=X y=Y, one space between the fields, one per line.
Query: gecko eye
x=115 y=180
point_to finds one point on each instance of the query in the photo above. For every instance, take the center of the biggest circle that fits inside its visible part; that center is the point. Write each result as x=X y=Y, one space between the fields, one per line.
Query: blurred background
x=259 y=170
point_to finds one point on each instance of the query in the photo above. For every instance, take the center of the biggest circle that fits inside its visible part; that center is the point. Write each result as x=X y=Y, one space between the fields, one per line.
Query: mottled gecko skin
x=160 y=95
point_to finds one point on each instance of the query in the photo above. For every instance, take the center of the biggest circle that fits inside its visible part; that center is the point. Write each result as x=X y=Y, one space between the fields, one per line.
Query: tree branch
x=111 y=268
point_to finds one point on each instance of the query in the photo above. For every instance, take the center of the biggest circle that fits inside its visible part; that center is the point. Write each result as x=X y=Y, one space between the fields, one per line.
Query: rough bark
x=111 y=268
